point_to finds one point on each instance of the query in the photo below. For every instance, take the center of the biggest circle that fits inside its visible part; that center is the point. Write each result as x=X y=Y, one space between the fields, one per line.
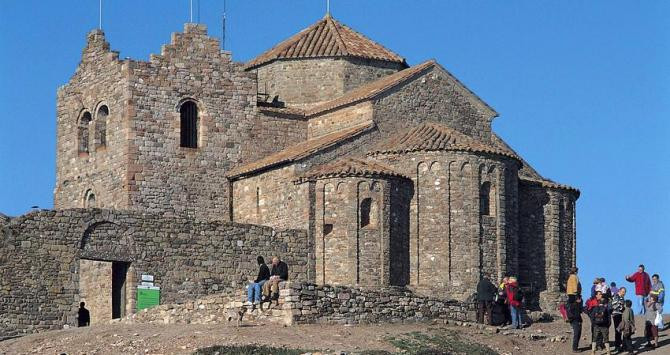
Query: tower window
x=368 y=213
x=82 y=133
x=485 y=206
x=101 y=126
x=89 y=199
x=189 y=124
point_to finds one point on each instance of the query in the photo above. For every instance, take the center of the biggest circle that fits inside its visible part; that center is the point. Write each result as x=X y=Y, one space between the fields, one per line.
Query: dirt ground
x=186 y=338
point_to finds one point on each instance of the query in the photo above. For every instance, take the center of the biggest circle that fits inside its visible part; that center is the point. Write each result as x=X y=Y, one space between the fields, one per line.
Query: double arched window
x=99 y=124
x=188 y=113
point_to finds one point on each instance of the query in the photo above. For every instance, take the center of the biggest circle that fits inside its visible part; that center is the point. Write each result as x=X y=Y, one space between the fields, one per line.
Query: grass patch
x=247 y=350
x=448 y=343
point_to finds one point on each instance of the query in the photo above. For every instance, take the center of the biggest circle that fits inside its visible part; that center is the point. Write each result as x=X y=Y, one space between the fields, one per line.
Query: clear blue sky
x=583 y=90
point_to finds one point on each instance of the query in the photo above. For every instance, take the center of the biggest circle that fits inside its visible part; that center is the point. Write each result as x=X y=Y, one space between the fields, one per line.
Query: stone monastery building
x=392 y=172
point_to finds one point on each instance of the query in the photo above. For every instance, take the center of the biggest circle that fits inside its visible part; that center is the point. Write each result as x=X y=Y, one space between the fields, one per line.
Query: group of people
x=506 y=297
x=608 y=306
x=265 y=287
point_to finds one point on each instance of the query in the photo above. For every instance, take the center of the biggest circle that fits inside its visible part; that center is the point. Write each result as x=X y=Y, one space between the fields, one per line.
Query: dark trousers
x=616 y=318
x=628 y=343
x=484 y=308
x=576 y=333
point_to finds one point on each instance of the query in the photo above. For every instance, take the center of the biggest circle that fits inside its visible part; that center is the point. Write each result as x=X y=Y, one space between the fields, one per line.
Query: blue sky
x=582 y=88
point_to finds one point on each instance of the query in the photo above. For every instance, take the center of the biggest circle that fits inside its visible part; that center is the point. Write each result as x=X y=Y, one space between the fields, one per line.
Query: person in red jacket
x=642 y=286
x=514 y=296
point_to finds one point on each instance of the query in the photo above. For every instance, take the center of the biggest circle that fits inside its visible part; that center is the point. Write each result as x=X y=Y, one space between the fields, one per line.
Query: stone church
x=392 y=171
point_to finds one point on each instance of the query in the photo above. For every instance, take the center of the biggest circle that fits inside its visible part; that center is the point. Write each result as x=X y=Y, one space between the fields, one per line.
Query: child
x=627 y=326
x=650 y=328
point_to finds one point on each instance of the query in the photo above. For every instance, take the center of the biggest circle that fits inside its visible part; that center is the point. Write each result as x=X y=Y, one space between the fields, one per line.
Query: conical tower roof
x=327 y=38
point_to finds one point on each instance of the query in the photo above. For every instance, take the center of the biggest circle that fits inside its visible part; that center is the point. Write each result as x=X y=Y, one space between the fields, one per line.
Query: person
x=627 y=326
x=486 y=292
x=604 y=288
x=514 y=298
x=501 y=300
x=574 y=311
x=613 y=288
x=658 y=290
x=278 y=273
x=572 y=287
x=596 y=282
x=254 y=288
x=618 y=305
x=642 y=286
x=650 y=327
x=84 y=316
x=600 y=320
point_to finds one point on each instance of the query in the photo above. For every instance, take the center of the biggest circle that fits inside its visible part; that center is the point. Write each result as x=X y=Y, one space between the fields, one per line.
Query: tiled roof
x=550 y=184
x=349 y=167
x=374 y=88
x=433 y=136
x=326 y=38
x=300 y=150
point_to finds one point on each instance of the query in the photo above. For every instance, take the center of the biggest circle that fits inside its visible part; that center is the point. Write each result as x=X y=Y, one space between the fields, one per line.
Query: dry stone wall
x=40 y=256
x=309 y=303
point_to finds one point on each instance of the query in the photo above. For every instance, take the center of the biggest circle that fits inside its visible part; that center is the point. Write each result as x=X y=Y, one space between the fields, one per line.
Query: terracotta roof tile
x=349 y=167
x=300 y=150
x=433 y=136
x=326 y=38
x=372 y=89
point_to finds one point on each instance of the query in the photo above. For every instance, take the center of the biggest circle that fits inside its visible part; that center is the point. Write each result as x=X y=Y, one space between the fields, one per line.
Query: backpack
x=600 y=316
x=517 y=293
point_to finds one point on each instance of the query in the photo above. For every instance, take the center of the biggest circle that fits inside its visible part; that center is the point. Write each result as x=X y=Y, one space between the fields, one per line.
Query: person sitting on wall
x=486 y=292
x=84 y=317
x=254 y=288
x=278 y=273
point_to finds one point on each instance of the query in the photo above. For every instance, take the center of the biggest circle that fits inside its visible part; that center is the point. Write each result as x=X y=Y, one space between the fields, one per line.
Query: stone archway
x=105 y=272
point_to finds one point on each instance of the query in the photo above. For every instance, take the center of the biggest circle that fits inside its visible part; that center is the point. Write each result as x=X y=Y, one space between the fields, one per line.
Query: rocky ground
x=120 y=338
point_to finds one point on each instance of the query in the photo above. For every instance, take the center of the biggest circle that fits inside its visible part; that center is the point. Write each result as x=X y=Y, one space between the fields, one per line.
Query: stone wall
x=100 y=80
x=309 y=303
x=451 y=244
x=306 y=81
x=272 y=131
x=435 y=95
x=163 y=176
x=41 y=254
x=344 y=118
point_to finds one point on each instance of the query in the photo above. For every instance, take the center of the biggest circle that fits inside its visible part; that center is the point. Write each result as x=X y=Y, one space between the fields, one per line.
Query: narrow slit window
x=82 y=133
x=189 y=124
x=368 y=212
x=485 y=199
x=101 y=126
x=89 y=199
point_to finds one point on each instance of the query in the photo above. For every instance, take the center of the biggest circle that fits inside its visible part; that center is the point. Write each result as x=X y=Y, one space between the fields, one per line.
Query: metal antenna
x=327 y=7
x=198 y=11
x=223 y=32
x=191 y=11
x=100 y=14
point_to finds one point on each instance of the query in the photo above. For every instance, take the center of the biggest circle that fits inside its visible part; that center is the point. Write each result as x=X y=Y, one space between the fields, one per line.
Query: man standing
x=642 y=286
x=600 y=320
x=84 y=317
x=618 y=306
x=278 y=273
x=574 y=311
x=486 y=293
x=658 y=290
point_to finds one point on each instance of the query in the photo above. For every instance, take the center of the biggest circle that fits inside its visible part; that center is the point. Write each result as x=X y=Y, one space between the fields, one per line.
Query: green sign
x=147 y=297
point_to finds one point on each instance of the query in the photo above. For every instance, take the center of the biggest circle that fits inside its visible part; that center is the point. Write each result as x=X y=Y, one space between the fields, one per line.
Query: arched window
x=89 y=199
x=486 y=200
x=83 y=132
x=101 y=126
x=189 y=124
x=368 y=213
